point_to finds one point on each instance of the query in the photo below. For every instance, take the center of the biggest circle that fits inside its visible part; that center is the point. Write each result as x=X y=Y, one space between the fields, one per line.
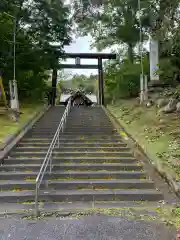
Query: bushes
x=122 y=80
x=167 y=70
x=31 y=85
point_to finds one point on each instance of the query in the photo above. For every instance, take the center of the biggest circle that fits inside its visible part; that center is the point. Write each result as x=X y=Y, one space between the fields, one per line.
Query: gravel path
x=83 y=228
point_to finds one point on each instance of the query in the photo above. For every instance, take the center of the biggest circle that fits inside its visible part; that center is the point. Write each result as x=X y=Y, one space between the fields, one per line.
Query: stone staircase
x=92 y=163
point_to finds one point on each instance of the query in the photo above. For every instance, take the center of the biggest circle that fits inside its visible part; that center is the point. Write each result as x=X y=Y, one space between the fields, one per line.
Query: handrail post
x=58 y=138
x=50 y=170
x=36 y=201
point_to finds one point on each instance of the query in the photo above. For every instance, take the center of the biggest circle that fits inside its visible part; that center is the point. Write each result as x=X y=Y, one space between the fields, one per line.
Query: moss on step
x=19 y=190
x=30 y=179
x=60 y=179
x=28 y=202
x=14 y=190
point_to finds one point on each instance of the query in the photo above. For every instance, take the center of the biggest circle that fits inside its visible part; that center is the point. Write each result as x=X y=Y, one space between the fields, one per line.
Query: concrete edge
x=6 y=147
x=65 y=211
x=31 y=212
x=134 y=143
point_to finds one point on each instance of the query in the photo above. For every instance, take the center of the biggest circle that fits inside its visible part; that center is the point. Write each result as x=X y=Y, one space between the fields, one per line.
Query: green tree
x=79 y=82
x=38 y=25
x=122 y=79
x=115 y=23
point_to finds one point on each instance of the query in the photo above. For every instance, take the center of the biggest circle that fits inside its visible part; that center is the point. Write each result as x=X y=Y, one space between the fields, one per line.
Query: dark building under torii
x=78 y=65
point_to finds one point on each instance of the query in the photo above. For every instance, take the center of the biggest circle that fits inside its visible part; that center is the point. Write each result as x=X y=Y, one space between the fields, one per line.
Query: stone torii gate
x=77 y=65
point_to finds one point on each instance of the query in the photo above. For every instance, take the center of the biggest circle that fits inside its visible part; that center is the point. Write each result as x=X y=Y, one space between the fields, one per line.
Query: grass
x=157 y=134
x=9 y=127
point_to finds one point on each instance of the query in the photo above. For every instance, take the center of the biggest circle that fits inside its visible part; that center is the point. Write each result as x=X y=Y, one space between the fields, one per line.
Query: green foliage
x=80 y=82
x=177 y=93
x=38 y=25
x=122 y=80
x=167 y=70
x=115 y=23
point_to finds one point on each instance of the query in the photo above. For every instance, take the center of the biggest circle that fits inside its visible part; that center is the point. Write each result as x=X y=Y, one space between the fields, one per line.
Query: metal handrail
x=48 y=158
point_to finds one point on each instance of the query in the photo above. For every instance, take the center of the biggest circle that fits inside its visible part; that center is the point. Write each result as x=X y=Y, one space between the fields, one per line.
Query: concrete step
x=73 y=136
x=36 y=134
x=73 y=149
x=88 y=137
x=45 y=130
x=79 y=124
x=71 y=141
x=23 y=145
x=72 y=132
x=46 y=123
x=27 y=139
x=47 y=120
x=16 y=186
x=83 y=195
x=88 y=123
x=47 y=127
x=74 y=175
x=72 y=167
x=71 y=154
x=85 y=126
x=91 y=117
x=58 y=160
x=90 y=133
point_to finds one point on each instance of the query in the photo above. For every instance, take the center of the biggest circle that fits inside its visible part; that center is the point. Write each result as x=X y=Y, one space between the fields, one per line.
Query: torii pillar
x=100 y=82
